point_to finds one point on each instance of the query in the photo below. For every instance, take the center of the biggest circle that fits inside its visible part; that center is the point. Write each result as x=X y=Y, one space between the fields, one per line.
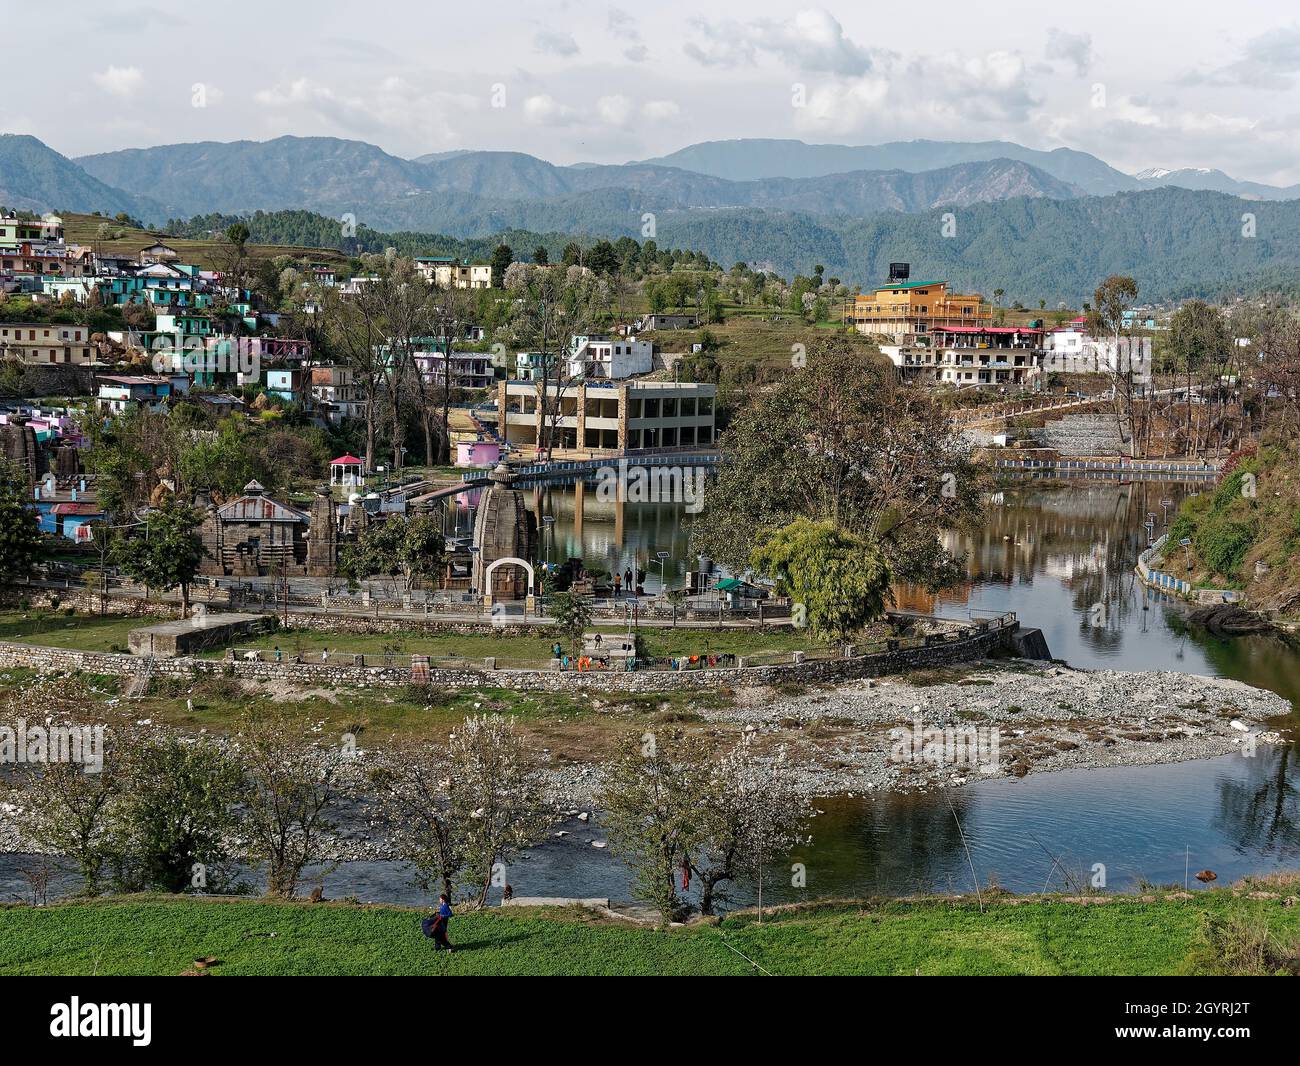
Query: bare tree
x=553 y=309
x=413 y=787
x=496 y=796
x=464 y=809
x=353 y=333
x=1278 y=372
x=291 y=780
x=1114 y=297
x=66 y=810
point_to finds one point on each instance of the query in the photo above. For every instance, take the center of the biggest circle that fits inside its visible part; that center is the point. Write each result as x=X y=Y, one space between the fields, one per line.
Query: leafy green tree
x=570 y=617
x=168 y=553
x=841 y=439
x=840 y=579
x=651 y=795
x=502 y=256
x=20 y=532
x=290 y=781
x=180 y=812
x=411 y=547
x=541 y=256
x=750 y=812
x=602 y=258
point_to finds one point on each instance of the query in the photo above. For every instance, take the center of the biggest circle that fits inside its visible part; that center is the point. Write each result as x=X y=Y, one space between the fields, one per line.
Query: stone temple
x=504 y=528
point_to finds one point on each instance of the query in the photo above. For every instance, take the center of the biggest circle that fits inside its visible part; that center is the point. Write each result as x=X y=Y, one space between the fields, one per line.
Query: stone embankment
x=958 y=644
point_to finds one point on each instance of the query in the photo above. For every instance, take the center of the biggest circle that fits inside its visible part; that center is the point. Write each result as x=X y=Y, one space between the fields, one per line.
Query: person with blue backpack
x=436 y=927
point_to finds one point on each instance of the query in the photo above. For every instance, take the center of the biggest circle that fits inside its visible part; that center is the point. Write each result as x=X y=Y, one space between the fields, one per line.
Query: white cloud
x=435 y=116
x=660 y=110
x=1269 y=61
x=120 y=81
x=555 y=43
x=614 y=110
x=811 y=41
x=1075 y=48
x=544 y=110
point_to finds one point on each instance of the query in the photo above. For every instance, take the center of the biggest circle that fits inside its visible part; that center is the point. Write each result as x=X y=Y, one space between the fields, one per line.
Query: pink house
x=478 y=453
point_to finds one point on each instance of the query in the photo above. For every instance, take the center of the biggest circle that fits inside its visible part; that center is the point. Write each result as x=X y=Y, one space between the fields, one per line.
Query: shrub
x=1223 y=541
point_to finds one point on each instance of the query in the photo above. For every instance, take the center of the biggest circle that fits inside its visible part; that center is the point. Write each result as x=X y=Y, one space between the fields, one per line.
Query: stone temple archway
x=508 y=560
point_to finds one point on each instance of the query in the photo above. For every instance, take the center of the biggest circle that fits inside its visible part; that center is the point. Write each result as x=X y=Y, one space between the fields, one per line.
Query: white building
x=971 y=356
x=601 y=358
x=1071 y=350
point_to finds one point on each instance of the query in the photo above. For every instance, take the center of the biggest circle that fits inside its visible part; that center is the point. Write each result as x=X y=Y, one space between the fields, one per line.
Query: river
x=1052 y=552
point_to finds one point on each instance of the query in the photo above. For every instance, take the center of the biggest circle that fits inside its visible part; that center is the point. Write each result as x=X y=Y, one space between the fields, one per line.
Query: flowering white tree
x=464 y=809
x=496 y=796
x=753 y=811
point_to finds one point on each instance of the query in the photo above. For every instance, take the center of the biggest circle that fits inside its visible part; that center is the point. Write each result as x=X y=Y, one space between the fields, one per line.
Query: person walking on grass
x=440 y=922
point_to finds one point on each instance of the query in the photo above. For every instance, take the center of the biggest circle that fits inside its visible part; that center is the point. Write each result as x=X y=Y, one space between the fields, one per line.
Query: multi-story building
x=469 y=370
x=15 y=230
x=290 y=384
x=1072 y=350
x=1006 y=356
x=601 y=358
x=45 y=343
x=446 y=270
x=608 y=416
x=529 y=366
x=903 y=308
x=336 y=392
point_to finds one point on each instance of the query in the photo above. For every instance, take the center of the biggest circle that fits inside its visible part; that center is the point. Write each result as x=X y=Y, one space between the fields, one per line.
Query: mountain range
x=1028 y=221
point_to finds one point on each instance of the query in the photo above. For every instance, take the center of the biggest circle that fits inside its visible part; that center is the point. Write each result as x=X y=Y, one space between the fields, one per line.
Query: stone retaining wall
x=935 y=652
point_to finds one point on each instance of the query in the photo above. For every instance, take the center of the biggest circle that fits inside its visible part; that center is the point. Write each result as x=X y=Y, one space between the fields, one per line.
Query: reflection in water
x=605 y=534
x=1062 y=557
x=1051 y=553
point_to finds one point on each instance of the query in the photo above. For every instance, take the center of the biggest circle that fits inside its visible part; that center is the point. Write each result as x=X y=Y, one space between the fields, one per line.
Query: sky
x=1146 y=84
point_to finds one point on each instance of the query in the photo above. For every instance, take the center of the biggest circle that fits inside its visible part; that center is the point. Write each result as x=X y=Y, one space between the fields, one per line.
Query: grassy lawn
x=163 y=935
x=574 y=727
x=209 y=254
x=85 y=632
x=530 y=649
x=89 y=632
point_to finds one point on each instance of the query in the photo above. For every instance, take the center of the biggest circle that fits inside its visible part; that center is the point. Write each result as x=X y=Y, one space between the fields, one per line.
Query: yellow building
x=908 y=307
x=446 y=271
x=43 y=343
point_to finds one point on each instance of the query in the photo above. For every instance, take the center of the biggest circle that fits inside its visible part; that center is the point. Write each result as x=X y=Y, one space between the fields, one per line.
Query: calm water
x=1050 y=553
x=605 y=535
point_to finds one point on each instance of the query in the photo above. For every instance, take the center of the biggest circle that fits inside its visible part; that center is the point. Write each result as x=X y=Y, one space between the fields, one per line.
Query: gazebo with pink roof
x=346 y=470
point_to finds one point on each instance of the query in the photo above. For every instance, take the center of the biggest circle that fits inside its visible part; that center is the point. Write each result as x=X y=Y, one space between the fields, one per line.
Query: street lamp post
x=663 y=572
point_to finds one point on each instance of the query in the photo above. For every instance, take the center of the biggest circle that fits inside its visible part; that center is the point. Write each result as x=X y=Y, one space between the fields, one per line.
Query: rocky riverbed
x=943 y=729
x=896 y=734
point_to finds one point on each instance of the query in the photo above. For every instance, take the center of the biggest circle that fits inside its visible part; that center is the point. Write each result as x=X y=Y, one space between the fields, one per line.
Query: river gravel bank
x=948 y=729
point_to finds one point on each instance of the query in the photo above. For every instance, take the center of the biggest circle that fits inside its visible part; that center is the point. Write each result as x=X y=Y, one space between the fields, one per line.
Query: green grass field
x=530 y=649
x=1042 y=936
x=89 y=632
x=54 y=629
